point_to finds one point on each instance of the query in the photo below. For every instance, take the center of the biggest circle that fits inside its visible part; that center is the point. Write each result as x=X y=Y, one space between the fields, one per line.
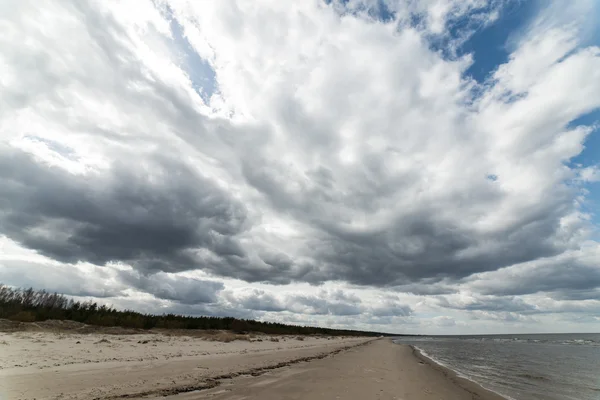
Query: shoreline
x=380 y=369
x=78 y=366
x=467 y=384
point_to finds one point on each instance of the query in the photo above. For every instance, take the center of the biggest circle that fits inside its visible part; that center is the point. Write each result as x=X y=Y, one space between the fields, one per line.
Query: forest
x=30 y=305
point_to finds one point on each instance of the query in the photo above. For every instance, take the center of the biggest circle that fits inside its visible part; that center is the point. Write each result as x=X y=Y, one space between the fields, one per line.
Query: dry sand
x=71 y=365
x=38 y=364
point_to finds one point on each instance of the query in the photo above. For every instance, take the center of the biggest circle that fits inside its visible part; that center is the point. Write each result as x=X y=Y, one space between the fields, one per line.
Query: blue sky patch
x=199 y=70
x=489 y=44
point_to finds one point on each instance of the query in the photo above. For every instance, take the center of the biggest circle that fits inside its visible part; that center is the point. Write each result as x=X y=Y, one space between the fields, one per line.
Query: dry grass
x=62 y=328
x=227 y=337
x=213 y=336
x=210 y=335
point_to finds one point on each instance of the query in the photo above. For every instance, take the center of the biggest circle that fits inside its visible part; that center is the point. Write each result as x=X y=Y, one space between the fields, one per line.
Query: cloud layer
x=199 y=150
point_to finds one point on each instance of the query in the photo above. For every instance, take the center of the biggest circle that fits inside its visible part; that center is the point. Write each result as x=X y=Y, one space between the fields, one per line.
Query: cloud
x=325 y=303
x=373 y=219
x=73 y=280
x=334 y=302
x=589 y=174
x=476 y=302
x=172 y=287
x=311 y=150
x=502 y=316
x=155 y=221
x=568 y=275
x=255 y=299
x=443 y=321
x=302 y=304
x=390 y=308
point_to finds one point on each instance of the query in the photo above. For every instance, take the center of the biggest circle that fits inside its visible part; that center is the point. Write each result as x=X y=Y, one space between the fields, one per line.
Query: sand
x=379 y=370
x=70 y=365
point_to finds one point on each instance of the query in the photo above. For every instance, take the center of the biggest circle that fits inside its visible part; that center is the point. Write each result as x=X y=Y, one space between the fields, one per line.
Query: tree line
x=30 y=305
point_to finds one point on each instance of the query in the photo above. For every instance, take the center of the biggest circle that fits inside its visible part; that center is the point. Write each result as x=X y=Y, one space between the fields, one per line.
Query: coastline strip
x=379 y=370
x=51 y=365
x=469 y=385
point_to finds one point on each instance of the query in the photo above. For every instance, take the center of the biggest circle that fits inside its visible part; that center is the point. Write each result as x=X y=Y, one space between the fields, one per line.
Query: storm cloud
x=319 y=155
x=153 y=221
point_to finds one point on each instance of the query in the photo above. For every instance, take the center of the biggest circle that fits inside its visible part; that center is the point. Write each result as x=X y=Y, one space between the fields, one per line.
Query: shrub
x=29 y=305
x=24 y=316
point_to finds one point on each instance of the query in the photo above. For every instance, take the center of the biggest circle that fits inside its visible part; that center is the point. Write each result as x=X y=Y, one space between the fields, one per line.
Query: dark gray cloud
x=177 y=288
x=568 y=277
x=518 y=308
x=391 y=308
x=327 y=303
x=321 y=305
x=333 y=302
x=158 y=220
x=420 y=246
x=486 y=303
x=155 y=221
x=411 y=247
x=257 y=300
x=576 y=294
x=101 y=282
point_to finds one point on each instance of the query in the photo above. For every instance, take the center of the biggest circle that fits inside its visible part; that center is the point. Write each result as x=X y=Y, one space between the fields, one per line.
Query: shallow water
x=522 y=367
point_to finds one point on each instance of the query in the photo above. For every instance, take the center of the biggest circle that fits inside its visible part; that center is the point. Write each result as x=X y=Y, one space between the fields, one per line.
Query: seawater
x=521 y=367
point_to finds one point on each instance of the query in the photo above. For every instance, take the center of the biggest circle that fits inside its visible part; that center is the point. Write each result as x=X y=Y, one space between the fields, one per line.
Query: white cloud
x=336 y=149
x=590 y=174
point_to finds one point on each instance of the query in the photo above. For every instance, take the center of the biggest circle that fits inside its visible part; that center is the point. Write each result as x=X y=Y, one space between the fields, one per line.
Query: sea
x=521 y=367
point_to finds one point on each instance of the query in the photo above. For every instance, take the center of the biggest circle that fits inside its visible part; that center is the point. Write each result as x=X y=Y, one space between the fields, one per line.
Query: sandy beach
x=59 y=364
x=379 y=370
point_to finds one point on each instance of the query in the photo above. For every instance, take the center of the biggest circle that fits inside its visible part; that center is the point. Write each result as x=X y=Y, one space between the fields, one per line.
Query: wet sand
x=378 y=370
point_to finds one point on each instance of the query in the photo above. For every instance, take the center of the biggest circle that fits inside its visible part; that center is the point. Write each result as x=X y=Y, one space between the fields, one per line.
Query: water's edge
x=474 y=388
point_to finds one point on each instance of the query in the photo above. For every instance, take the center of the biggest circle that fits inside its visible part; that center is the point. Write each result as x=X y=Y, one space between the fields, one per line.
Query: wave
x=557 y=341
x=545 y=366
x=457 y=372
x=533 y=377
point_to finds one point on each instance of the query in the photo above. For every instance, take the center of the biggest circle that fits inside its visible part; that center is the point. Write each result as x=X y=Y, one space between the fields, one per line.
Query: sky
x=401 y=166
